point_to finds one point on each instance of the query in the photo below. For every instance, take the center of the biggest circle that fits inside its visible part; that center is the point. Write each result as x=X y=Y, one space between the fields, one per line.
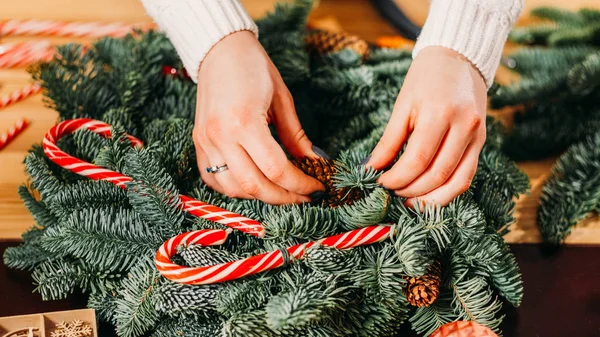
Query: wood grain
x=355 y=16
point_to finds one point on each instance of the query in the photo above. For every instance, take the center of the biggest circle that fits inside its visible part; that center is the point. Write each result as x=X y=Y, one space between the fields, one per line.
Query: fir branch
x=410 y=242
x=380 y=274
x=577 y=35
x=561 y=16
x=29 y=254
x=353 y=175
x=176 y=299
x=251 y=295
x=535 y=61
x=474 y=301
x=584 y=77
x=380 y=55
x=88 y=144
x=436 y=223
x=376 y=320
x=549 y=128
x=366 y=211
x=331 y=260
x=468 y=218
x=337 y=80
x=498 y=172
x=135 y=312
x=58 y=278
x=299 y=222
x=153 y=194
x=572 y=192
x=532 y=35
x=306 y=303
x=196 y=256
x=345 y=58
x=43 y=179
x=38 y=209
x=108 y=239
x=104 y=303
x=250 y=324
x=85 y=195
x=426 y=320
x=188 y=327
x=113 y=155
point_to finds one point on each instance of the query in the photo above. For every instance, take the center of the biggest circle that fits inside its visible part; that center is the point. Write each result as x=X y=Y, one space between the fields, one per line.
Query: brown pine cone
x=424 y=290
x=322 y=42
x=323 y=170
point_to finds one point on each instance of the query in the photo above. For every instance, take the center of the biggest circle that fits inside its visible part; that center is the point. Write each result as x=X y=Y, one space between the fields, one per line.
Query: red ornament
x=463 y=329
x=171 y=71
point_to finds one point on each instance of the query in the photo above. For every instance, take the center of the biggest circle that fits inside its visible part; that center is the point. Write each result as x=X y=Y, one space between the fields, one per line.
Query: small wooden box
x=46 y=322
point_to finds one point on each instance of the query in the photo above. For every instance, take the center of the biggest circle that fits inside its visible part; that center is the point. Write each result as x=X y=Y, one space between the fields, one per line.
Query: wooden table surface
x=355 y=16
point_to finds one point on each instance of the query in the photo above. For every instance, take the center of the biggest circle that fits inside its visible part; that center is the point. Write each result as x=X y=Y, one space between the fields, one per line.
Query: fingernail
x=320 y=153
x=364 y=161
x=318 y=195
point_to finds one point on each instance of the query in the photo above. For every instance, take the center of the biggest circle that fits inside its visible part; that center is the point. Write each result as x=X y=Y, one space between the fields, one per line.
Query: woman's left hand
x=442 y=107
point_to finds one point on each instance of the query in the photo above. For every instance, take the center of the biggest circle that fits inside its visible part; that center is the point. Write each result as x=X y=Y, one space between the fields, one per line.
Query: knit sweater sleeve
x=476 y=29
x=195 y=26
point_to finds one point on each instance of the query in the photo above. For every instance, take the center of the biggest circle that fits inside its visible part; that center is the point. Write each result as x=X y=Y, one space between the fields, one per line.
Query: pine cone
x=424 y=290
x=323 y=42
x=463 y=329
x=324 y=170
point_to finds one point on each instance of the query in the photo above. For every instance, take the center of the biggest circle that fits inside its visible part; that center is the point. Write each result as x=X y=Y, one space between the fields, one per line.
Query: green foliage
x=572 y=192
x=98 y=238
x=135 y=311
x=558 y=99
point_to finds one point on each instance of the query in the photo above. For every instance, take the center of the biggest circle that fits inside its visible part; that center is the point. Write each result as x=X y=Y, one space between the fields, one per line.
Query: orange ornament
x=394 y=42
x=463 y=329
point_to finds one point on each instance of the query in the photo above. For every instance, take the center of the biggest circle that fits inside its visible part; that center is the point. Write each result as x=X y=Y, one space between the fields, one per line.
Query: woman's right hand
x=240 y=92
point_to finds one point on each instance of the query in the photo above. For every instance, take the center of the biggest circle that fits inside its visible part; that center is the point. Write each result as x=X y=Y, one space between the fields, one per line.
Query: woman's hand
x=441 y=106
x=240 y=92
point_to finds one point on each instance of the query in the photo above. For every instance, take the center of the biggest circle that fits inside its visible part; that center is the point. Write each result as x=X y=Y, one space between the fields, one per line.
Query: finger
x=253 y=182
x=445 y=162
x=225 y=179
x=273 y=163
x=422 y=146
x=208 y=178
x=288 y=127
x=459 y=182
x=393 y=138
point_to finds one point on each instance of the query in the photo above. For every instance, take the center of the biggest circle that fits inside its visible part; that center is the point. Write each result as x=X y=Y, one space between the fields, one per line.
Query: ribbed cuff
x=195 y=26
x=476 y=29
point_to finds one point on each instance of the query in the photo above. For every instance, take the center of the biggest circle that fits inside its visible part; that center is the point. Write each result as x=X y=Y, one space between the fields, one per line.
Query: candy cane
x=19 y=95
x=76 y=29
x=12 y=132
x=24 y=54
x=203 y=274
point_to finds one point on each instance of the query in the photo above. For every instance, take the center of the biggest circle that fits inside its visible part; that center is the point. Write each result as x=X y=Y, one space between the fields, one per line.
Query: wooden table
x=355 y=16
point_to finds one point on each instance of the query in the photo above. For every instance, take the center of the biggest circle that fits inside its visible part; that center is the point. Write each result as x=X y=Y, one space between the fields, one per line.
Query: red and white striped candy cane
x=24 y=54
x=59 y=28
x=254 y=264
x=19 y=95
x=12 y=132
x=203 y=274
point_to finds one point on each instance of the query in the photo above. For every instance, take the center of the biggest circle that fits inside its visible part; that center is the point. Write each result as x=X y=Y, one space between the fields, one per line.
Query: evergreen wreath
x=101 y=239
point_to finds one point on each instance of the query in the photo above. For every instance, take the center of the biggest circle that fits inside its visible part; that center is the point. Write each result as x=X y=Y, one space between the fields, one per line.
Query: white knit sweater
x=476 y=29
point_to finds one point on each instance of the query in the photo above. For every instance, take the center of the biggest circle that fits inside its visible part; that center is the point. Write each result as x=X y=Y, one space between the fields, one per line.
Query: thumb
x=288 y=127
